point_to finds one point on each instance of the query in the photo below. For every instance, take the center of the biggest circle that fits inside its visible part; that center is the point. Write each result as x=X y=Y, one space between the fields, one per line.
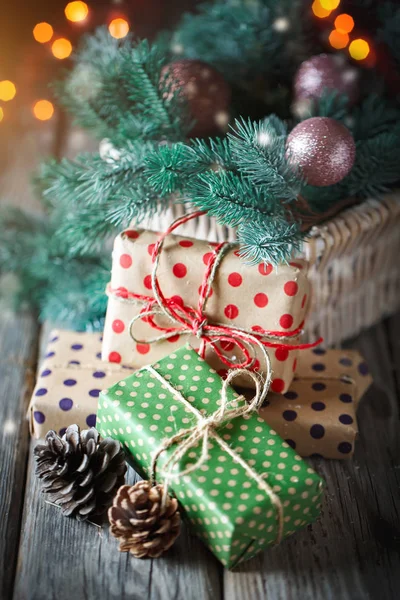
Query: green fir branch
x=274 y=241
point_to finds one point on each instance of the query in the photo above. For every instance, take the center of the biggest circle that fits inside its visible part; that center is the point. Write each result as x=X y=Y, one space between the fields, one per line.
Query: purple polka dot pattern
x=99 y=374
x=345 y=398
x=346 y=362
x=291 y=443
x=66 y=404
x=346 y=419
x=39 y=417
x=62 y=431
x=91 y=420
x=318 y=386
x=289 y=415
x=290 y=395
x=319 y=351
x=345 y=447
x=318 y=406
x=70 y=381
x=317 y=431
x=363 y=368
x=318 y=367
x=41 y=392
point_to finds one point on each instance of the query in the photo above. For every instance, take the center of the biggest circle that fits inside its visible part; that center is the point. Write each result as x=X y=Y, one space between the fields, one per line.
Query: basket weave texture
x=354 y=264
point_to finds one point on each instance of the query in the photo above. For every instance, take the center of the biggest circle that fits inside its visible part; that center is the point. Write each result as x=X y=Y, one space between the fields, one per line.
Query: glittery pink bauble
x=325 y=72
x=323 y=148
x=206 y=92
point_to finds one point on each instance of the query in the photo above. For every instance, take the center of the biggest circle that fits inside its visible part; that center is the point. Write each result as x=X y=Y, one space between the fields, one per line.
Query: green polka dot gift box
x=245 y=490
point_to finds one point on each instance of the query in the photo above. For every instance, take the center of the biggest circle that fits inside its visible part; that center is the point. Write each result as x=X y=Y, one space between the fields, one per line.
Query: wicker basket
x=354 y=265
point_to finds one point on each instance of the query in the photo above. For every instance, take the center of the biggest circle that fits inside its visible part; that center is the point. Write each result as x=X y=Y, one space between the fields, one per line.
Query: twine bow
x=206 y=427
x=186 y=320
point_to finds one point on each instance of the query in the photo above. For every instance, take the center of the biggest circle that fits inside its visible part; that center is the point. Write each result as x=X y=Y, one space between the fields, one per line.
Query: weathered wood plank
x=17 y=363
x=352 y=552
x=52 y=548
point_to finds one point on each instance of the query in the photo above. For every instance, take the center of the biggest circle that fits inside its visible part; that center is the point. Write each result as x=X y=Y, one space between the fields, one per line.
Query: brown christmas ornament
x=79 y=471
x=144 y=525
x=206 y=92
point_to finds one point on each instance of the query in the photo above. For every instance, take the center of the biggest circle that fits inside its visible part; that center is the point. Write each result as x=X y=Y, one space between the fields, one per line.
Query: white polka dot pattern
x=225 y=505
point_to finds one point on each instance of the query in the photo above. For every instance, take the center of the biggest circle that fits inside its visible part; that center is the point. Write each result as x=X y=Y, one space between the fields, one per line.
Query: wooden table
x=352 y=552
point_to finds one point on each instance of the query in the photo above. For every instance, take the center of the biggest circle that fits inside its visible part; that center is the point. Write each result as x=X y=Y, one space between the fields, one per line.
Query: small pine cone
x=142 y=525
x=80 y=472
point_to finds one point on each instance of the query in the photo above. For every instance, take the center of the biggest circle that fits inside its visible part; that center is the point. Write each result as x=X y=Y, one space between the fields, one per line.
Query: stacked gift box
x=159 y=370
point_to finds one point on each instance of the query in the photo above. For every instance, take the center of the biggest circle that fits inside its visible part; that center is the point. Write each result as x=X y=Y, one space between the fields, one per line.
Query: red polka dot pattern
x=286 y=321
x=150 y=249
x=179 y=270
x=177 y=300
x=277 y=385
x=265 y=269
x=147 y=282
x=231 y=311
x=223 y=373
x=296 y=265
x=235 y=279
x=125 y=261
x=173 y=338
x=303 y=302
x=186 y=243
x=281 y=354
x=207 y=257
x=118 y=326
x=114 y=357
x=290 y=288
x=143 y=348
x=131 y=234
x=261 y=300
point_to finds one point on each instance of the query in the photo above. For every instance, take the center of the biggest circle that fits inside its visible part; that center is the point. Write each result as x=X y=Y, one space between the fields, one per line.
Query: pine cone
x=80 y=472
x=138 y=520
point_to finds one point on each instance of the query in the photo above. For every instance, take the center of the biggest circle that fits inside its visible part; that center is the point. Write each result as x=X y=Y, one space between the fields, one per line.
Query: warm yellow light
x=61 y=48
x=329 y=4
x=359 y=49
x=1 y=114
x=319 y=11
x=43 y=32
x=76 y=11
x=43 y=110
x=344 y=23
x=338 y=40
x=7 y=90
x=118 y=28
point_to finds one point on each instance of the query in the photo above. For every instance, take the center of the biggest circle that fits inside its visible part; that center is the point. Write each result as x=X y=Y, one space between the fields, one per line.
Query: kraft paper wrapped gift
x=69 y=382
x=245 y=296
x=226 y=502
x=317 y=415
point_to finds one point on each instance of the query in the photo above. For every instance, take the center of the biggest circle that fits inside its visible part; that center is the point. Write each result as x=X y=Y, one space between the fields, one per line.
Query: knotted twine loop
x=186 y=320
x=205 y=428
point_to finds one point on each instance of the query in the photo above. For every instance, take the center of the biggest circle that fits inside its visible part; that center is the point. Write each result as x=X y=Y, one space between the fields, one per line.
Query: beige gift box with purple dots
x=69 y=382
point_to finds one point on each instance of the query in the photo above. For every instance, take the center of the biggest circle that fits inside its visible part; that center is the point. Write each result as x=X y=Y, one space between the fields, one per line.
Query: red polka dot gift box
x=69 y=382
x=255 y=299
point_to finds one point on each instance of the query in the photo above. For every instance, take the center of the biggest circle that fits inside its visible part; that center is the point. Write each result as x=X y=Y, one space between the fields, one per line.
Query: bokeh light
x=344 y=23
x=338 y=39
x=359 y=49
x=118 y=28
x=61 y=48
x=7 y=90
x=43 y=32
x=329 y=4
x=1 y=114
x=76 y=11
x=319 y=11
x=43 y=110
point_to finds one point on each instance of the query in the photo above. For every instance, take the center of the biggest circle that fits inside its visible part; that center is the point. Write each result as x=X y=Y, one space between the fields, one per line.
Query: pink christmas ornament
x=325 y=72
x=323 y=148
